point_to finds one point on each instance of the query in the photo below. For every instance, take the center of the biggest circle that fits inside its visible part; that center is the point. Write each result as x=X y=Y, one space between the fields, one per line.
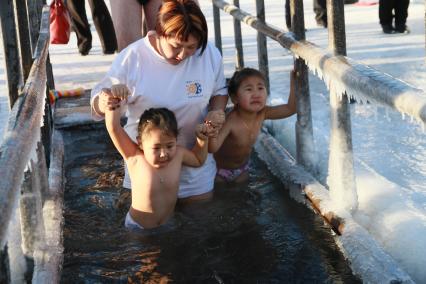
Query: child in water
x=155 y=162
x=233 y=145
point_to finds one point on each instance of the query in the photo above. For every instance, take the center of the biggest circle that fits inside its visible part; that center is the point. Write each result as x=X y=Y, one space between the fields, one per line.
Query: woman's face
x=175 y=50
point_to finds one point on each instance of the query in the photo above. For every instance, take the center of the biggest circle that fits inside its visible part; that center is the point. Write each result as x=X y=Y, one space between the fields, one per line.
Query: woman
x=174 y=67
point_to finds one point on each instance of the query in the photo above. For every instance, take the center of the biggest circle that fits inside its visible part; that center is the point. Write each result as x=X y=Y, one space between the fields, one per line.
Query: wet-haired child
x=233 y=145
x=154 y=162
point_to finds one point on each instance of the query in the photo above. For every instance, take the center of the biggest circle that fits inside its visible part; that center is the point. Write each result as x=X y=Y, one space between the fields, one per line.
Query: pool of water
x=253 y=233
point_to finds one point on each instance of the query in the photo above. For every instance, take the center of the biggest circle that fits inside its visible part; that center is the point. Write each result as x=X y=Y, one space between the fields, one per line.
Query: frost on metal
x=363 y=83
x=366 y=258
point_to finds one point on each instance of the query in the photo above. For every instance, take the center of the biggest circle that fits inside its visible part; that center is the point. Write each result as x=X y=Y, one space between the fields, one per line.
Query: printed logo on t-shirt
x=193 y=89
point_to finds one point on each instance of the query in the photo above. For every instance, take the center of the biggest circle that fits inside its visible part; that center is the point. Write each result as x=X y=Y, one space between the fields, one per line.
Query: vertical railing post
x=262 y=50
x=239 y=62
x=217 y=32
x=4 y=265
x=24 y=37
x=10 y=47
x=304 y=133
x=31 y=206
x=34 y=18
x=341 y=177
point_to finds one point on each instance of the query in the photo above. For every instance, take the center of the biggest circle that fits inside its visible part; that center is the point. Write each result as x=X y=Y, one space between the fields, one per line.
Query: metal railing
x=343 y=76
x=25 y=149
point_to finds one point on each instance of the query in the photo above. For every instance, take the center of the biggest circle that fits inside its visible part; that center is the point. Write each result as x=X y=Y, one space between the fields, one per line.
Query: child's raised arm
x=119 y=137
x=217 y=141
x=284 y=110
x=198 y=155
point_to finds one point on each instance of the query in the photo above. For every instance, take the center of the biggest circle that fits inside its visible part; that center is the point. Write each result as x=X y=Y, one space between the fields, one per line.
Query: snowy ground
x=389 y=151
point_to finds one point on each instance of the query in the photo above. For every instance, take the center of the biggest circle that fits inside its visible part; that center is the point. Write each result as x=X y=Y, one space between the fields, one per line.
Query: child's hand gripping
x=214 y=120
x=204 y=130
x=110 y=99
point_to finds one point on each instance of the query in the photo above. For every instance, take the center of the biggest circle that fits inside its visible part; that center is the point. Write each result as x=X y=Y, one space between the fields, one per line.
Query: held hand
x=201 y=131
x=120 y=91
x=107 y=102
x=216 y=118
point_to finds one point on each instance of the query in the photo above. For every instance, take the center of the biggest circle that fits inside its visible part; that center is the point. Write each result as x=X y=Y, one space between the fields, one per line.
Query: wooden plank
x=49 y=259
x=73 y=111
x=358 y=245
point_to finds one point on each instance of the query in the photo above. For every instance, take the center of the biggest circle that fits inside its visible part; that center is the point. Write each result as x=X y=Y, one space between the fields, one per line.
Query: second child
x=233 y=144
x=154 y=162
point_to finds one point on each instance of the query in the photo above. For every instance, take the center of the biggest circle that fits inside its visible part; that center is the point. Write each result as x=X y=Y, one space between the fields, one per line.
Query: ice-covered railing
x=340 y=73
x=28 y=240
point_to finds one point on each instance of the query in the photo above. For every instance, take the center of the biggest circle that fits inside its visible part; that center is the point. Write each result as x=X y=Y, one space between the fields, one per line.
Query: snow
x=389 y=150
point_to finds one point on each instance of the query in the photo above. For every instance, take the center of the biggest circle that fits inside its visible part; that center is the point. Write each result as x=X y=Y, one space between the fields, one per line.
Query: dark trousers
x=400 y=8
x=320 y=10
x=102 y=20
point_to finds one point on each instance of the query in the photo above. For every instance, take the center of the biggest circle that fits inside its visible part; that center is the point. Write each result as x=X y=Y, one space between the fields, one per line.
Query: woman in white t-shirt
x=174 y=67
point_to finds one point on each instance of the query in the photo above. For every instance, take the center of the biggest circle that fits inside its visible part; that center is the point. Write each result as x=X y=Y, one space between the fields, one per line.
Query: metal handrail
x=23 y=129
x=341 y=73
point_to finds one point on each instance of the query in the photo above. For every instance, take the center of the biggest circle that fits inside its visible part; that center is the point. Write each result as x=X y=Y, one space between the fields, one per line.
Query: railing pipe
x=341 y=73
x=262 y=50
x=238 y=42
x=304 y=132
x=217 y=31
x=22 y=133
x=10 y=47
x=341 y=176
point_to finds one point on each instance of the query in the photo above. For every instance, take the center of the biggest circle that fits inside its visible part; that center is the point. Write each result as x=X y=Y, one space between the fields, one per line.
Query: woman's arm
x=117 y=74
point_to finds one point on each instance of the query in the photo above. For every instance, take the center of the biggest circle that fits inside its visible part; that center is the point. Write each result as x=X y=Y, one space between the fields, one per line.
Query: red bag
x=60 y=27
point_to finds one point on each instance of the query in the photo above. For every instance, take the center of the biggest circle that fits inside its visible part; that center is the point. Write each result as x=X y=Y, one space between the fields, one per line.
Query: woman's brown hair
x=180 y=19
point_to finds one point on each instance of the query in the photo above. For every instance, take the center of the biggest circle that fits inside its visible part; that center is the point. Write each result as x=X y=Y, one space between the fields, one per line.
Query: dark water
x=253 y=233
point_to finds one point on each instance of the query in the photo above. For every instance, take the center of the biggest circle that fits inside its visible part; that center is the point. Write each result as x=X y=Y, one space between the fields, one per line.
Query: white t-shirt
x=185 y=89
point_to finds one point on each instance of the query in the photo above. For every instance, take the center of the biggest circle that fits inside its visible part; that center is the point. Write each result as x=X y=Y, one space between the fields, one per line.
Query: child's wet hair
x=160 y=118
x=239 y=76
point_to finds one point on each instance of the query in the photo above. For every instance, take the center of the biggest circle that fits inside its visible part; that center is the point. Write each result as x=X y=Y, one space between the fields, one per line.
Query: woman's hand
x=215 y=118
x=110 y=99
x=205 y=131
x=120 y=91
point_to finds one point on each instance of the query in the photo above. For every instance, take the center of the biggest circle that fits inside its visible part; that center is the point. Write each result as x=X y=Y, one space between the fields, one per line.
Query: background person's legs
x=401 y=14
x=385 y=15
x=77 y=11
x=104 y=26
x=127 y=18
x=320 y=9
x=150 y=9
